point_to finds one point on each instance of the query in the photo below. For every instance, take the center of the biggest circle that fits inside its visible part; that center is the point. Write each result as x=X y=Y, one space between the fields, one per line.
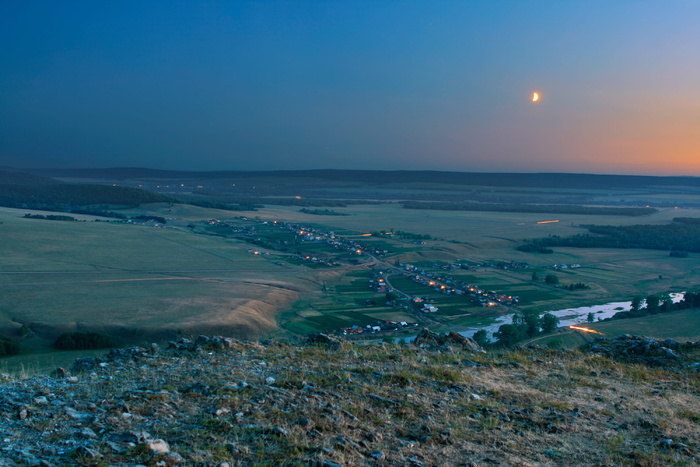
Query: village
x=316 y=248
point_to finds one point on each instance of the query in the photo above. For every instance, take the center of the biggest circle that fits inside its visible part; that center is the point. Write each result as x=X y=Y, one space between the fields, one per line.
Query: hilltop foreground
x=217 y=401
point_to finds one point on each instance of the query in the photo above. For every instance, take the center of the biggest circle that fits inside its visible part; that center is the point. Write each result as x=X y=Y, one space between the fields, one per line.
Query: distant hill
x=24 y=190
x=380 y=177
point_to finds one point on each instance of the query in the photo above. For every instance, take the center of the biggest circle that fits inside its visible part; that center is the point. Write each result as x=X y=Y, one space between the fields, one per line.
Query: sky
x=352 y=84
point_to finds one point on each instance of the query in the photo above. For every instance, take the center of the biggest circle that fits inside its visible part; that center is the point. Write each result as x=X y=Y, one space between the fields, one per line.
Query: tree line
x=525 y=325
x=681 y=235
x=658 y=303
x=531 y=208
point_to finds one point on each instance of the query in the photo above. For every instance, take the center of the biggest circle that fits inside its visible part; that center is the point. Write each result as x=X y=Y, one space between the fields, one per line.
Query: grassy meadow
x=133 y=279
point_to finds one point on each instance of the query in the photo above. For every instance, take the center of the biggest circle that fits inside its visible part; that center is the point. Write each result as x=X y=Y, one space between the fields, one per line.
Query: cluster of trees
x=260 y=201
x=533 y=208
x=65 y=197
x=682 y=235
x=323 y=212
x=526 y=324
x=223 y=206
x=159 y=219
x=50 y=217
x=576 y=286
x=8 y=346
x=402 y=234
x=84 y=341
x=549 y=279
x=658 y=303
x=100 y=212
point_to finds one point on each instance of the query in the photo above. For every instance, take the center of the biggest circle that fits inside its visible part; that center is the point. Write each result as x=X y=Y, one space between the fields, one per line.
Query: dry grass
x=417 y=407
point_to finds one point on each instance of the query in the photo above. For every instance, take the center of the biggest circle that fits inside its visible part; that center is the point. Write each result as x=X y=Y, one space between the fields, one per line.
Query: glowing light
x=535 y=96
x=580 y=328
x=548 y=222
x=366 y=235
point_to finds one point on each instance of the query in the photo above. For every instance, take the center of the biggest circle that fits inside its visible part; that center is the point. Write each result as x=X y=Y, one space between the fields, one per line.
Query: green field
x=682 y=326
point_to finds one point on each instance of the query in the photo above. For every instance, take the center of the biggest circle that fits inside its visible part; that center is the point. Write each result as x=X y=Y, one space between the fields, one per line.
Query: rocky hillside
x=441 y=401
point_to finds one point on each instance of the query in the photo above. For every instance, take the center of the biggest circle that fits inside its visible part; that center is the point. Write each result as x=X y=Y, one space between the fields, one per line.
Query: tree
x=481 y=337
x=666 y=303
x=528 y=322
x=551 y=279
x=507 y=335
x=549 y=323
x=535 y=277
x=591 y=317
x=653 y=302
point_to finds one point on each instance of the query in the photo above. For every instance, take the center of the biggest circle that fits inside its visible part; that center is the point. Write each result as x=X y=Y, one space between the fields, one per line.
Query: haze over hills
x=553 y=180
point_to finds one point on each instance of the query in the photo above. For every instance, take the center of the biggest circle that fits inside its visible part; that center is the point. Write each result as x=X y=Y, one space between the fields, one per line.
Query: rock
x=433 y=340
x=379 y=455
x=87 y=453
x=87 y=433
x=305 y=423
x=41 y=400
x=279 y=431
x=269 y=380
x=669 y=353
x=666 y=443
x=333 y=343
x=174 y=458
x=346 y=443
x=158 y=445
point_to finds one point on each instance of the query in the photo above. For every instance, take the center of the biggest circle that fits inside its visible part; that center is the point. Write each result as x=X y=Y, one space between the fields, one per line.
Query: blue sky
x=442 y=85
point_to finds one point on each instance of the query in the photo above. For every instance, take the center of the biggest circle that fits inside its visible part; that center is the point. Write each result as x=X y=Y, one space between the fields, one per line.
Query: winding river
x=568 y=316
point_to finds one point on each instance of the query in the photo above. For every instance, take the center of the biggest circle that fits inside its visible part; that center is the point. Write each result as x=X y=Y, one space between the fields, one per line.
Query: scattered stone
x=83 y=451
x=379 y=455
x=640 y=349
x=433 y=340
x=87 y=432
x=333 y=343
x=279 y=431
x=158 y=445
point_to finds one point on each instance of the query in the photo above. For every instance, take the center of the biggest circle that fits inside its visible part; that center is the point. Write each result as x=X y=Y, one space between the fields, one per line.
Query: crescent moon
x=535 y=96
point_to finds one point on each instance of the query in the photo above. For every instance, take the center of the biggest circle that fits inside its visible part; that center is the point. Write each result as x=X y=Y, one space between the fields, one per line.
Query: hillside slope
x=221 y=402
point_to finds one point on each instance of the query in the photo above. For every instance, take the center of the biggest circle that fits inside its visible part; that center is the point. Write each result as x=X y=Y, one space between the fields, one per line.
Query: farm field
x=347 y=301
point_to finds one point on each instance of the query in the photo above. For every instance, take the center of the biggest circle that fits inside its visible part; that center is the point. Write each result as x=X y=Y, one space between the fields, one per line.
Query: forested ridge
x=19 y=190
x=533 y=208
x=683 y=234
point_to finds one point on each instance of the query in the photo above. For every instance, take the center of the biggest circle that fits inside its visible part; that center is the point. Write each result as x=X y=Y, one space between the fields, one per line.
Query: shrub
x=8 y=347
